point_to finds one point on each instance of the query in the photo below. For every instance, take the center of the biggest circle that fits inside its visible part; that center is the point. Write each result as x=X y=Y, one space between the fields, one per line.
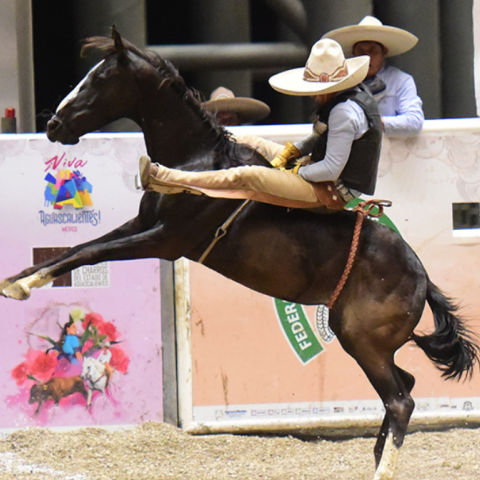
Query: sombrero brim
x=395 y=39
x=291 y=82
x=247 y=109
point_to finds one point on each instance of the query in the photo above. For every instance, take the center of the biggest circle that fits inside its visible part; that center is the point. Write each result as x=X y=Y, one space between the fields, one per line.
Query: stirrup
x=144 y=169
x=141 y=177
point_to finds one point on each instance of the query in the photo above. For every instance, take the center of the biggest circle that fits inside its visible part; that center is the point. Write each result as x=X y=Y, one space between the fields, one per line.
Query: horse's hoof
x=3 y=285
x=17 y=291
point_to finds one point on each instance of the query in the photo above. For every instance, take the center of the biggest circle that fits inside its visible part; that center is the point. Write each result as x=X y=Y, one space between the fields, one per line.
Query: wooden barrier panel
x=259 y=364
x=54 y=197
x=245 y=361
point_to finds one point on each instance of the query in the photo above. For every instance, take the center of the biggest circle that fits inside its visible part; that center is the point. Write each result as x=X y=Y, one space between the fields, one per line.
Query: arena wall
x=244 y=361
x=122 y=299
x=248 y=372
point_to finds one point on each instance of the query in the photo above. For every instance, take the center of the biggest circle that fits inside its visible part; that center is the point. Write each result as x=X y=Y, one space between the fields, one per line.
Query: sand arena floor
x=160 y=451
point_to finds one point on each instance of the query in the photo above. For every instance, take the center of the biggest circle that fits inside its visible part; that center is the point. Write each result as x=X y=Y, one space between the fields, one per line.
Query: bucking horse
x=293 y=255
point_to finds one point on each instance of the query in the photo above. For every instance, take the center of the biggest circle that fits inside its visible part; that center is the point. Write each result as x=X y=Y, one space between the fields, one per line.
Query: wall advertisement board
x=260 y=364
x=54 y=197
x=246 y=362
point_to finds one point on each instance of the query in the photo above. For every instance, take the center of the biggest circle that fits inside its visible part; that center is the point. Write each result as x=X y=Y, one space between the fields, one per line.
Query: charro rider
x=395 y=91
x=344 y=146
x=104 y=358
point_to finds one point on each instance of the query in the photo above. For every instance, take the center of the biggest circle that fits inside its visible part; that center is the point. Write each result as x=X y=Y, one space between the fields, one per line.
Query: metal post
x=325 y=15
x=16 y=58
x=94 y=18
x=222 y=21
x=423 y=61
x=169 y=342
x=458 y=92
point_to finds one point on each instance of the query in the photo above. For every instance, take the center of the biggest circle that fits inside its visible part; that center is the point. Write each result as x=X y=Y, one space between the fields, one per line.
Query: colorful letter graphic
x=67 y=188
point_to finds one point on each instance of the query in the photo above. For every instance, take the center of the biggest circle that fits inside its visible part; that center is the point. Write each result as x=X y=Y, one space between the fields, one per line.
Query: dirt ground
x=160 y=451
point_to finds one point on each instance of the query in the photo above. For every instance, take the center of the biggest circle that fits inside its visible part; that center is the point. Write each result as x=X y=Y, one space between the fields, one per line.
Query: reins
x=361 y=214
x=222 y=230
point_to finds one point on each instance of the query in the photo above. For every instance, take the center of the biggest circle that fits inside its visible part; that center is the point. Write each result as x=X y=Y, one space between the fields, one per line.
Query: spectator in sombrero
x=396 y=92
x=232 y=111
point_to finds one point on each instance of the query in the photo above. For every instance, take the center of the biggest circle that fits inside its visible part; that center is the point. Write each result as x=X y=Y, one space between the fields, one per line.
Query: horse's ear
x=117 y=40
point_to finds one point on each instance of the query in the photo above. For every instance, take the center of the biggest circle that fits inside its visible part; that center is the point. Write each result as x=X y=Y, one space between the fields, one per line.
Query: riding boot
x=146 y=173
x=262 y=184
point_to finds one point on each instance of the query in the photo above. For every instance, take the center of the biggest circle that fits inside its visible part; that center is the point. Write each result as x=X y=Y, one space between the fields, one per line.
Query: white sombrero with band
x=370 y=29
x=247 y=109
x=326 y=71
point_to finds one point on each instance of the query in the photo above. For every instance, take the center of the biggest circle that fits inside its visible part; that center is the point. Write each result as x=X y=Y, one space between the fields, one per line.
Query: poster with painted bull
x=84 y=350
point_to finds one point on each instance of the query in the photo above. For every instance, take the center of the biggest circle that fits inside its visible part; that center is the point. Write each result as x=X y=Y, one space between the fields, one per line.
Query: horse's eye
x=98 y=78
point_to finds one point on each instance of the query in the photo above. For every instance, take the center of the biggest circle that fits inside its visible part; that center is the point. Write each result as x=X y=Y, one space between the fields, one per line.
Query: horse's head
x=108 y=92
x=148 y=90
x=86 y=366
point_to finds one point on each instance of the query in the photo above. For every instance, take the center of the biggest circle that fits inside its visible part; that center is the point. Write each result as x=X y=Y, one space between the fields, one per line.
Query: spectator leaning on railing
x=395 y=90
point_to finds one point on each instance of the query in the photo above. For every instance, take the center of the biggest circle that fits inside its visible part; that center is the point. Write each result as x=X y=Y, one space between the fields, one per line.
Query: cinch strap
x=222 y=231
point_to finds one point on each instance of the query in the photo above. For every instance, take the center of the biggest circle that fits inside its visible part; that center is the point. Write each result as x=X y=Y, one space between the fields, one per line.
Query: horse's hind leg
x=409 y=382
x=374 y=353
x=389 y=383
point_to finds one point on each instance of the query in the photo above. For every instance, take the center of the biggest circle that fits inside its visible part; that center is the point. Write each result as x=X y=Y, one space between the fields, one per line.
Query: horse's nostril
x=53 y=123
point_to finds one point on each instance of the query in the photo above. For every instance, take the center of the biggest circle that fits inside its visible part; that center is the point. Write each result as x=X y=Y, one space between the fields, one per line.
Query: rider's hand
x=290 y=152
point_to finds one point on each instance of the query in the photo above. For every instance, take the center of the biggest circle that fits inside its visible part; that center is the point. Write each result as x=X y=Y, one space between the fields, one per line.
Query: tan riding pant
x=262 y=184
x=266 y=148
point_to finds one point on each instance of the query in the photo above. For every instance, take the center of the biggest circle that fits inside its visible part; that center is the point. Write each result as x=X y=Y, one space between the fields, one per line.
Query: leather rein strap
x=362 y=212
x=222 y=231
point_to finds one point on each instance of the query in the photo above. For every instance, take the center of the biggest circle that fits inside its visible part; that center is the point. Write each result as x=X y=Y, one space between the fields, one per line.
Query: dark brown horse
x=292 y=255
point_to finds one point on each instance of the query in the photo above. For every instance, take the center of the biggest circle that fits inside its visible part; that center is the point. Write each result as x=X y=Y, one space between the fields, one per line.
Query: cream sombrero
x=248 y=110
x=326 y=71
x=370 y=29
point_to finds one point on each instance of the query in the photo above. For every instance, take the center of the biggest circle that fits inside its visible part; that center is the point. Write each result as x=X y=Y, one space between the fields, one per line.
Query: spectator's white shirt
x=400 y=107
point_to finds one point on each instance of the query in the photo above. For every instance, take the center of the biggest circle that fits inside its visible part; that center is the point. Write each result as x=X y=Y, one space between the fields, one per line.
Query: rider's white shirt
x=105 y=357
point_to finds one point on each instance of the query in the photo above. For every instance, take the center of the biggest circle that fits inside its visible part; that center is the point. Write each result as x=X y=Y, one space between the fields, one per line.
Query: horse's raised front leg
x=89 y=397
x=141 y=245
x=129 y=228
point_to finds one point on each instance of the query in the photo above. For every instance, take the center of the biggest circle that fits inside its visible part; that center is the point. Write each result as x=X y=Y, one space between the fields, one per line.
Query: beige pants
x=262 y=184
x=267 y=148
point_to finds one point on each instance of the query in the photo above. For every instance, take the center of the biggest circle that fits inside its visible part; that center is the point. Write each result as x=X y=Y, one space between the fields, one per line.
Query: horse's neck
x=173 y=132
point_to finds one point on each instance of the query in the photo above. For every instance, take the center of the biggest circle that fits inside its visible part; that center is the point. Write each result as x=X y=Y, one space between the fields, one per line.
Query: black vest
x=360 y=172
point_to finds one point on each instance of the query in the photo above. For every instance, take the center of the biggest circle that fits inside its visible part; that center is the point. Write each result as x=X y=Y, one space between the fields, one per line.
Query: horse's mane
x=171 y=76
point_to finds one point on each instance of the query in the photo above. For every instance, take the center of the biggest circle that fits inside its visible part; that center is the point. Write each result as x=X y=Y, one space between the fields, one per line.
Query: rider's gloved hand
x=289 y=153
x=292 y=170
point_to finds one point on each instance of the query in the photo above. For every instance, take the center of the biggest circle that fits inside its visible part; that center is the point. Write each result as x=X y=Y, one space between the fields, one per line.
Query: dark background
x=441 y=63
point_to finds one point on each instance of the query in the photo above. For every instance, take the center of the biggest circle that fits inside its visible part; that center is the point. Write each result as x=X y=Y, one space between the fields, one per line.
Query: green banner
x=382 y=219
x=298 y=330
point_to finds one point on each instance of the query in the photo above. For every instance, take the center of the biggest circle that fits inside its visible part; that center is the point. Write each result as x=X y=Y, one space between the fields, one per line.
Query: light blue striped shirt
x=400 y=107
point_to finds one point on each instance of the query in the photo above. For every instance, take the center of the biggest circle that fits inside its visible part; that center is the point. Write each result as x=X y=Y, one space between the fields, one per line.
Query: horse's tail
x=452 y=346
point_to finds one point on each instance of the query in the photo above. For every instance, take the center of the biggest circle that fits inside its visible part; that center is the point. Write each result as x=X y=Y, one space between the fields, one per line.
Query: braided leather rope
x=362 y=212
